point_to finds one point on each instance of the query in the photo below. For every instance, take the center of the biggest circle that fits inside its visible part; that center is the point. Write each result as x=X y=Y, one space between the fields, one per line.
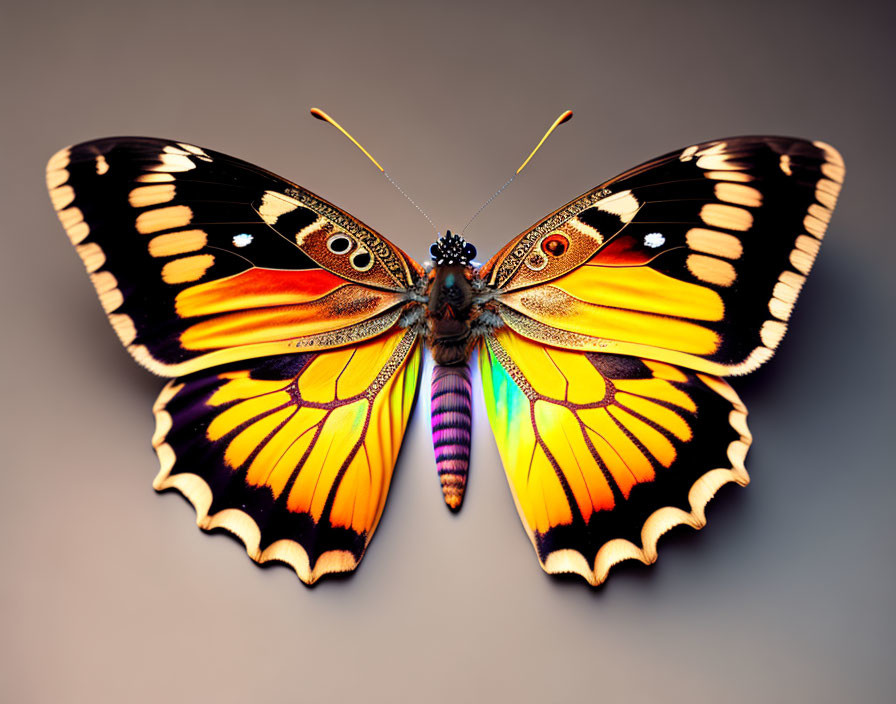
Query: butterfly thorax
x=450 y=306
x=448 y=314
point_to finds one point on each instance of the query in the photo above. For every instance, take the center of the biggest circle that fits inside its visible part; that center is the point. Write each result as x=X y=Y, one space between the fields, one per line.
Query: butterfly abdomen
x=451 y=424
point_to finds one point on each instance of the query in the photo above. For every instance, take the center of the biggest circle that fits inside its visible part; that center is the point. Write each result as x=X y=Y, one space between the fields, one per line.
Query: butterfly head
x=452 y=249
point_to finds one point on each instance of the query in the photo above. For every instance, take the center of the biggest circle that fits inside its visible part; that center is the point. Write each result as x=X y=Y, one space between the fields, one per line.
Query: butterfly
x=293 y=336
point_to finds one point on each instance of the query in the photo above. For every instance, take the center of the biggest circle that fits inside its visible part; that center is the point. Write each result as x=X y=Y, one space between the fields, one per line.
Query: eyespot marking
x=339 y=244
x=555 y=245
x=362 y=260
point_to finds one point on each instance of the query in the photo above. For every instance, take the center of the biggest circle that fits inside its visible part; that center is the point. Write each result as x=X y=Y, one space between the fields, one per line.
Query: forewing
x=695 y=258
x=293 y=454
x=604 y=453
x=201 y=259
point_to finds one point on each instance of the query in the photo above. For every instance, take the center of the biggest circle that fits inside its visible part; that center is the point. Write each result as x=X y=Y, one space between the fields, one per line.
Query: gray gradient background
x=110 y=593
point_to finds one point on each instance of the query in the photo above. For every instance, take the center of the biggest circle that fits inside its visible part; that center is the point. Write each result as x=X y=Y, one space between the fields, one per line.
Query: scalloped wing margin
x=606 y=453
x=294 y=456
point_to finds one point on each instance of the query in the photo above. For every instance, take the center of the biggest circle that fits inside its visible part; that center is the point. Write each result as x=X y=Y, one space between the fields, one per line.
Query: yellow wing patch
x=628 y=305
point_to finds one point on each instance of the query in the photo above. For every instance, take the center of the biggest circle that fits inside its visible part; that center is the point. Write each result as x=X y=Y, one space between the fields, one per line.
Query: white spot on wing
x=243 y=239
x=654 y=239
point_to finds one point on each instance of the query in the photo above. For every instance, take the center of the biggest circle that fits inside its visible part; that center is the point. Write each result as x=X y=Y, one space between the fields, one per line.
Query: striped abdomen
x=451 y=424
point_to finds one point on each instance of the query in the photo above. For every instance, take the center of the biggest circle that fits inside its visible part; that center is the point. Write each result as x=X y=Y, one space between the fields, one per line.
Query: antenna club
x=564 y=117
x=321 y=115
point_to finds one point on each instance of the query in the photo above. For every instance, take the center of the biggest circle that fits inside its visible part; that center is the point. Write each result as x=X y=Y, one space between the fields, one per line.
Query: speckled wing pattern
x=278 y=314
x=621 y=311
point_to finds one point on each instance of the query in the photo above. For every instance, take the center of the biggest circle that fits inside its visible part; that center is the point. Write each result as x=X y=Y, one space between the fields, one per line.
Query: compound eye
x=469 y=252
x=339 y=244
x=555 y=245
x=435 y=252
x=362 y=260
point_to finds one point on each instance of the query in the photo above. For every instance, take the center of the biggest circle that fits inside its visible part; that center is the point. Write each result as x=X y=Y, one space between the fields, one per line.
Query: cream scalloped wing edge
x=233 y=520
x=664 y=519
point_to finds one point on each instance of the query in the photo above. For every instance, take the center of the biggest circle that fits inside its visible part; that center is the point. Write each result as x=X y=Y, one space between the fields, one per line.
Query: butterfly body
x=293 y=336
x=449 y=313
x=450 y=309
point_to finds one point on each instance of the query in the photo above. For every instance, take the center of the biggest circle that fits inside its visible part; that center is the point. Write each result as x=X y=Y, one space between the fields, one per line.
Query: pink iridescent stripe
x=451 y=426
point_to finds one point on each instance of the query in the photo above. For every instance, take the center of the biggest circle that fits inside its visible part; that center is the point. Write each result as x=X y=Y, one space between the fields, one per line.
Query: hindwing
x=604 y=453
x=293 y=454
x=695 y=258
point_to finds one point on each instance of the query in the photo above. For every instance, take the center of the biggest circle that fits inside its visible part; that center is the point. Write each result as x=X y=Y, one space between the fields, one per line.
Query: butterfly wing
x=604 y=453
x=279 y=314
x=695 y=258
x=201 y=259
x=293 y=454
x=679 y=271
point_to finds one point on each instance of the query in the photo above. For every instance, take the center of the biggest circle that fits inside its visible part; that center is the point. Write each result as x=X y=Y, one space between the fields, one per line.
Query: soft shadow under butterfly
x=294 y=335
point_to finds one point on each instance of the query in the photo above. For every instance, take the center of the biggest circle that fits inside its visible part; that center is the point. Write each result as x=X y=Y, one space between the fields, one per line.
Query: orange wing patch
x=606 y=453
x=294 y=456
x=262 y=312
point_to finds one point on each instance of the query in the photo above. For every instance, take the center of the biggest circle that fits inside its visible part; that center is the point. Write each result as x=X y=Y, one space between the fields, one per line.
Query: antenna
x=564 y=117
x=321 y=115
